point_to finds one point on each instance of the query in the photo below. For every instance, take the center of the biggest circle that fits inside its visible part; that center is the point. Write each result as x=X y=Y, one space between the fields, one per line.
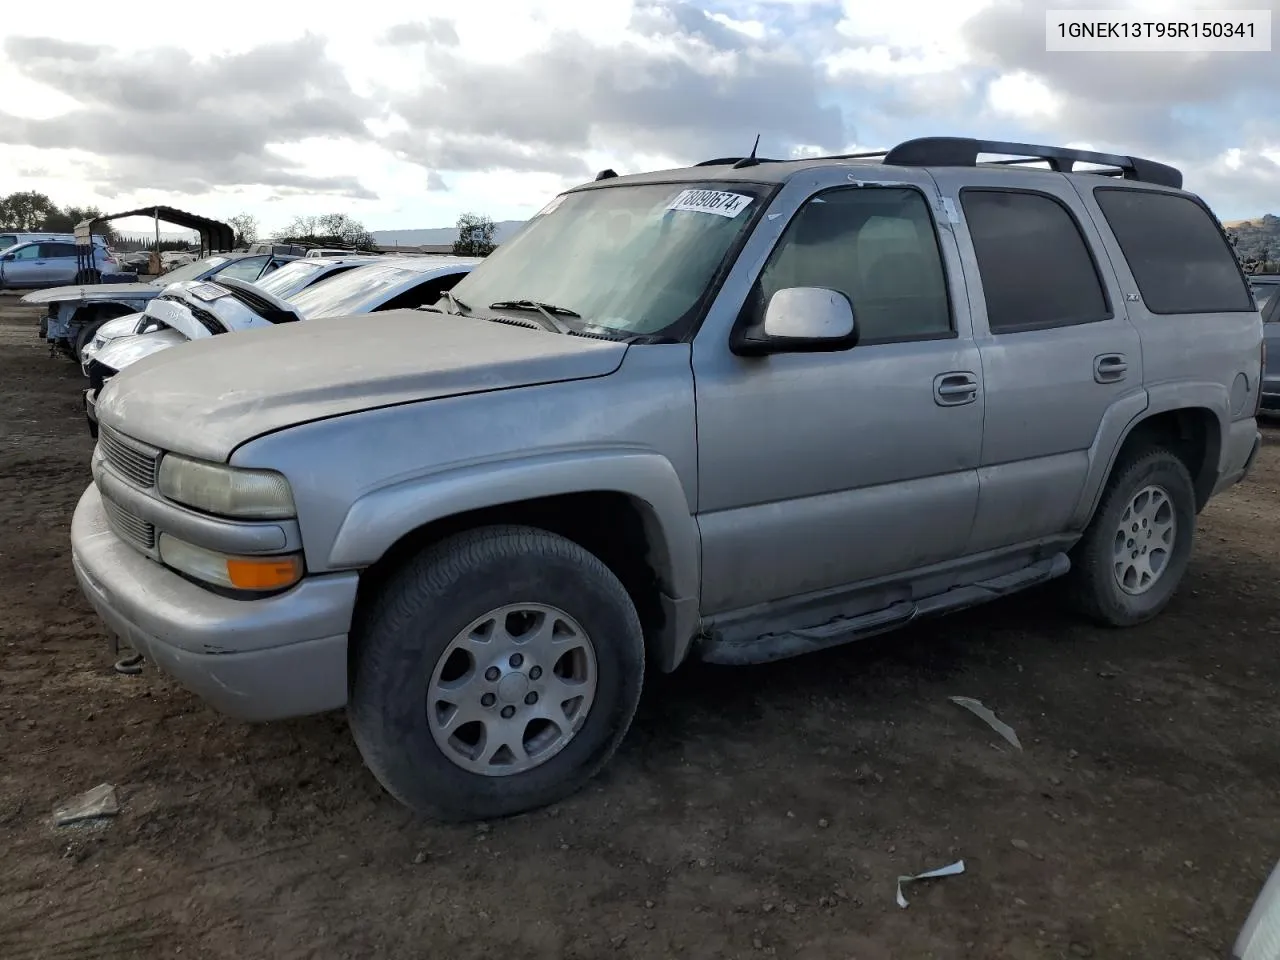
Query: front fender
x=380 y=518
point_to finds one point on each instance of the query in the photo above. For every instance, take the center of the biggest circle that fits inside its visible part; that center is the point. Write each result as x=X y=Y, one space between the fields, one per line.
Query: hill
x=504 y=230
x=1256 y=239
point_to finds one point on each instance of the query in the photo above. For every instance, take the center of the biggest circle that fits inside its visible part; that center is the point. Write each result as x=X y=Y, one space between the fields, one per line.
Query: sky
x=405 y=115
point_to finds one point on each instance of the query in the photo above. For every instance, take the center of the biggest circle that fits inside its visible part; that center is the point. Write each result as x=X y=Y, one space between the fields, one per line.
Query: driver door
x=822 y=470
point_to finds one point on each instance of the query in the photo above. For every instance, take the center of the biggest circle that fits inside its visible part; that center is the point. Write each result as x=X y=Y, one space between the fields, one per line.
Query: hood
x=207 y=400
x=94 y=291
x=123 y=351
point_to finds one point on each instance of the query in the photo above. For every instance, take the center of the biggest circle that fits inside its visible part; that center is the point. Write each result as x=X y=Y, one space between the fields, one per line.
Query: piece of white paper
x=948 y=871
x=711 y=201
x=995 y=723
x=209 y=292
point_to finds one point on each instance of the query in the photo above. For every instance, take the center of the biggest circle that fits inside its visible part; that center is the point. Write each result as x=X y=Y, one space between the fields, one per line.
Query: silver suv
x=734 y=412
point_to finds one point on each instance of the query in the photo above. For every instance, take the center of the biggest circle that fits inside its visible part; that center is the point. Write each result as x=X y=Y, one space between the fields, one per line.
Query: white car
x=285 y=283
x=196 y=310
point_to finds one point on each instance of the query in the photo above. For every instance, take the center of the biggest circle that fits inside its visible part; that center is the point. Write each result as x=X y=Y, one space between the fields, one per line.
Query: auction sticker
x=711 y=201
x=209 y=292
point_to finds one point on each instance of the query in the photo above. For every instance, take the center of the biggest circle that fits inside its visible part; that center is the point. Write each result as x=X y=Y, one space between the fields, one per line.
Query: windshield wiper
x=548 y=311
x=460 y=309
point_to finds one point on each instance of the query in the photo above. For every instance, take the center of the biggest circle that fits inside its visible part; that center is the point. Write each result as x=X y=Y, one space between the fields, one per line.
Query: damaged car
x=74 y=314
x=287 y=281
x=196 y=310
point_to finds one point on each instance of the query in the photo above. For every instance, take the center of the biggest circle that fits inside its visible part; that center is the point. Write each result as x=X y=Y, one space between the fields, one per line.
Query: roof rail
x=730 y=161
x=963 y=152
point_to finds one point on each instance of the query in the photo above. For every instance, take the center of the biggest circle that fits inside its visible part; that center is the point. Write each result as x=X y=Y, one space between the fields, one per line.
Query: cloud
x=435 y=181
x=682 y=84
x=430 y=31
x=163 y=120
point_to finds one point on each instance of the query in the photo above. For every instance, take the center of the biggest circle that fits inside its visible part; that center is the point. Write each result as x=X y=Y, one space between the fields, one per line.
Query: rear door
x=60 y=263
x=1058 y=350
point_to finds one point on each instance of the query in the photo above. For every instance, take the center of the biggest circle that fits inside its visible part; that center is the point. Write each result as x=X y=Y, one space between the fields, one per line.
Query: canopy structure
x=215 y=235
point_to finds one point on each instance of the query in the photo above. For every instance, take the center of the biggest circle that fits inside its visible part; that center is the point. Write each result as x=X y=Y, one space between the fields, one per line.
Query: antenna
x=749 y=161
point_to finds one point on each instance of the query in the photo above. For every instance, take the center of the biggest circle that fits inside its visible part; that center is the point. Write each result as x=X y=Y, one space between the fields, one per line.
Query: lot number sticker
x=711 y=201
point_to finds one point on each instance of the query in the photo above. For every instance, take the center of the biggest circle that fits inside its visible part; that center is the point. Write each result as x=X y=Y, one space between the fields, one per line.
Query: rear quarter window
x=1177 y=253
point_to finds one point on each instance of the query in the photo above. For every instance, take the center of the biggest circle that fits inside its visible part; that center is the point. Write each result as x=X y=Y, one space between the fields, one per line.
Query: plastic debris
x=950 y=870
x=99 y=802
x=995 y=723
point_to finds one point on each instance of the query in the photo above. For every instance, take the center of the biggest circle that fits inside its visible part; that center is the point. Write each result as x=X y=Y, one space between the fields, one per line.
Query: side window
x=422 y=294
x=1036 y=268
x=246 y=268
x=876 y=245
x=50 y=251
x=1179 y=258
x=32 y=252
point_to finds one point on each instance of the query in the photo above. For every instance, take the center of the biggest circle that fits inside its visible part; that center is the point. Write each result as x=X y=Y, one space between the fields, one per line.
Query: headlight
x=238 y=573
x=226 y=491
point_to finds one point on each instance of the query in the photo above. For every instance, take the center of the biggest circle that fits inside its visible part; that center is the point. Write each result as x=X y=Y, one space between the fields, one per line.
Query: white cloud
x=1023 y=97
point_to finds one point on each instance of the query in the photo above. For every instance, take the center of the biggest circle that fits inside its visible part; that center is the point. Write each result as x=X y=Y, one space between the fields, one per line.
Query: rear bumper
x=282 y=656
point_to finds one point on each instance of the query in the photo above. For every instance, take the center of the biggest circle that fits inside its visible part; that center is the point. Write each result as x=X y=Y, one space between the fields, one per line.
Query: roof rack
x=963 y=152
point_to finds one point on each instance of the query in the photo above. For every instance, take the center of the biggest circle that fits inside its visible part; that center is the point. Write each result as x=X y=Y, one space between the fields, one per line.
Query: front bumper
x=281 y=656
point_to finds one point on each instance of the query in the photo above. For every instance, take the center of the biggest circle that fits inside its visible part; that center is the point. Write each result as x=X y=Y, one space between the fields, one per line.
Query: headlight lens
x=238 y=573
x=226 y=491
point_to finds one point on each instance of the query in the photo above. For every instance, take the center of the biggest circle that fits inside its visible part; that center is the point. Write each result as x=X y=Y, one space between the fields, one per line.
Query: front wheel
x=1135 y=551
x=495 y=673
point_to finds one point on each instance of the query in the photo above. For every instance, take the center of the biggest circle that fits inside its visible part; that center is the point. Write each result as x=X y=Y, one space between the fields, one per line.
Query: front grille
x=128 y=458
x=129 y=527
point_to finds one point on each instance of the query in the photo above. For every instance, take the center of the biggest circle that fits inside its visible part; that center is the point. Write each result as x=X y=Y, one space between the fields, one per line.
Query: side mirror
x=801 y=320
x=1260 y=937
x=8 y=257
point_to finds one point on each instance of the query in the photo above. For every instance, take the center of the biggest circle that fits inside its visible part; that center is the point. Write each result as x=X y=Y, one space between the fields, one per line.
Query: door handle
x=955 y=389
x=1110 y=368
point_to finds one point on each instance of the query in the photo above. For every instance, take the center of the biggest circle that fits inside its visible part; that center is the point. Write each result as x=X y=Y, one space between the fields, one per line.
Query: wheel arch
x=1187 y=419
x=628 y=509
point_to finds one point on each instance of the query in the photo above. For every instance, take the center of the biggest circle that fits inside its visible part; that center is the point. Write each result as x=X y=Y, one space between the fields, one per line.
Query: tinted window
x=1035 y=266
x=54 y=250
x=877 y=246
x=356 y=291
x=246 y=269
x=423 y=293
x=1179 y=258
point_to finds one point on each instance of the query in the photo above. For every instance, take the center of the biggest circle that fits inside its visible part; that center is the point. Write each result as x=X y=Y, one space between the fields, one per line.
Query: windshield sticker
x=551 y=207
x=711 y=201
x=209 y=292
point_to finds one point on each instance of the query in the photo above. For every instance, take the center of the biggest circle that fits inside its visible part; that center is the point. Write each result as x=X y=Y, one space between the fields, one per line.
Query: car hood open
x=207 y=399
x=94 y=291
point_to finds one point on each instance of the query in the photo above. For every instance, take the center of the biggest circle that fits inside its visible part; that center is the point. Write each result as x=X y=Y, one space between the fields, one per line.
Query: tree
x=475 y=236
x=246 y=227
x=27 y=210
x=329 y=230
x=67 y=219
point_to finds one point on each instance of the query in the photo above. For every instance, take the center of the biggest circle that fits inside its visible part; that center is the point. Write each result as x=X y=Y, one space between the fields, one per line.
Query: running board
x=792 y=643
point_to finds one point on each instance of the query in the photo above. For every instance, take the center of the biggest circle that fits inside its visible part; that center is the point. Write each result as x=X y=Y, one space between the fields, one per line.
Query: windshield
x=355 y=291
x=633 y=259
x=290 y=277
x=191 y=271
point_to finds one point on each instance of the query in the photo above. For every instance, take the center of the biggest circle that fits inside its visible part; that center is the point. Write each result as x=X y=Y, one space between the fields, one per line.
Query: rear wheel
x=495 y=673
x=84 y=336
x=1134 y=553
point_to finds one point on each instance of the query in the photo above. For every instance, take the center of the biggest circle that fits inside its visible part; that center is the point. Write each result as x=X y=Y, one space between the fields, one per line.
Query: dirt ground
x=750 y=813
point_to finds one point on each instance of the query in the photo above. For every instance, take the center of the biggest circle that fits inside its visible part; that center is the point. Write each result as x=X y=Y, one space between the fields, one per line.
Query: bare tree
x=246 y=227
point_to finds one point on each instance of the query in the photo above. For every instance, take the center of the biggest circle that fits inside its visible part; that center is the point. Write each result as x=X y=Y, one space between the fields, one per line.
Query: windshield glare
x=634 y=259
x=289 y=277
x=356 y=291
x=191 y=271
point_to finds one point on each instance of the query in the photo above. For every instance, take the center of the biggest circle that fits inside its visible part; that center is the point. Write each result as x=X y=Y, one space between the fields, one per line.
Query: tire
x=1094 y=587
x=85 y=335
x=401 y=645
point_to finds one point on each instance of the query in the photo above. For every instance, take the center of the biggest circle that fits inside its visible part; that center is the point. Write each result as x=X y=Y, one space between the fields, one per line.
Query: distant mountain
x=503 y=231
